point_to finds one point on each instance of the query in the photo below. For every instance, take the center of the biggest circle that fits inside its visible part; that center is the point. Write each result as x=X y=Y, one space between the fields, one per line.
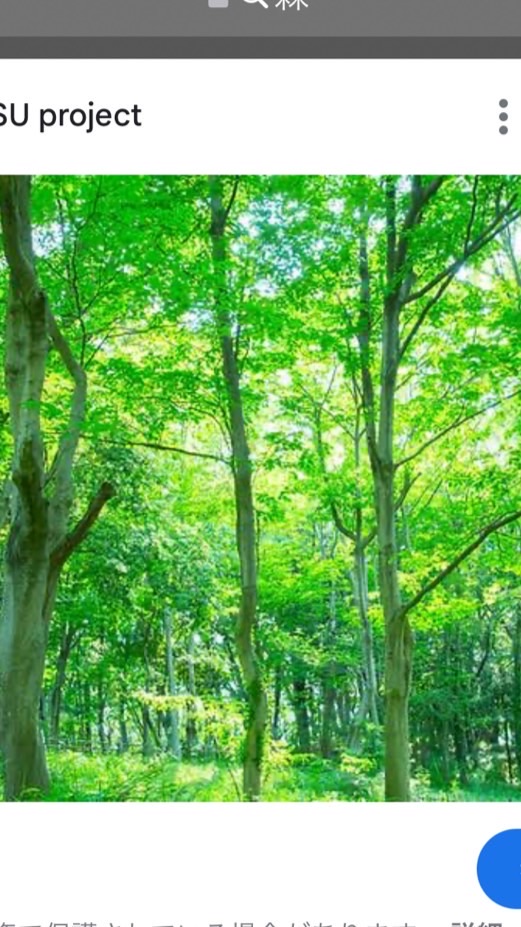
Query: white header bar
x=262 y=116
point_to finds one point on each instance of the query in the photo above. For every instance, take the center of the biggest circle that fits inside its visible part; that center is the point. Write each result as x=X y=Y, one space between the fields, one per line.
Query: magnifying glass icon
x=262 y=3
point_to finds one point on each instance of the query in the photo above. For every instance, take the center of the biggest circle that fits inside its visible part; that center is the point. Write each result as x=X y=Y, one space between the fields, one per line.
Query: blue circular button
x=499 y=868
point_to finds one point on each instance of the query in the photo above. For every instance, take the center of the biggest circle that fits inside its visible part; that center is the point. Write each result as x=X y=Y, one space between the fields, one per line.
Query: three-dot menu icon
x=503 y=117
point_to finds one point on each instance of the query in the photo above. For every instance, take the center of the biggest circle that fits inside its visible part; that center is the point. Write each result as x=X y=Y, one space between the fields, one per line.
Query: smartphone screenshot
x=260 y=455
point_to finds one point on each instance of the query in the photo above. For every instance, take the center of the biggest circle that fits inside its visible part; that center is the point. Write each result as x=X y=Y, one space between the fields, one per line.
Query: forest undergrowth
x=77 y=777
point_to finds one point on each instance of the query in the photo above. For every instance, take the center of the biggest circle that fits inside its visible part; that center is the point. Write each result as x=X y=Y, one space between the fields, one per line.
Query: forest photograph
x=260 y=492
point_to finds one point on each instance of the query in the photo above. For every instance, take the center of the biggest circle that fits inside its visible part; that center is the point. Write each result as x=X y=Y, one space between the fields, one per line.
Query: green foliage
x=126 y=264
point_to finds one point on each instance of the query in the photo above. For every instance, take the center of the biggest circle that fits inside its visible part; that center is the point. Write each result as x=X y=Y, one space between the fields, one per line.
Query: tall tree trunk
x=174 y=742
x=368 y=707
x=102 y=733
x=277 y=704
x=508 y=750
x=123 y=727
x=379 y=429
x=329 y=676
x=516 y=689
x=244 y=505
x=148 y=747
x=22 y=659
x=380 y=441
x=301 y=708
x=23 y=635
x=87 y=719
x=328 y=716
x=191 y=725
x=398 y=649
x=66 y=644
x=354 y=729
x=39 y=503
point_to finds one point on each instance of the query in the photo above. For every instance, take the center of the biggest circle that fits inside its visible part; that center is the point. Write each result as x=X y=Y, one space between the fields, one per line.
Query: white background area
x=196 y=865
x=270 y=116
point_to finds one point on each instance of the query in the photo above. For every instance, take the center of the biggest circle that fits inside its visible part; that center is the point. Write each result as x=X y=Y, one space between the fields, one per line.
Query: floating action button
x=499 y=868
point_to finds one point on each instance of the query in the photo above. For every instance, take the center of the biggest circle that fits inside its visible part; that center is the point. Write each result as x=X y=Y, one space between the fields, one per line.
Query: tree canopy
x=260 y=456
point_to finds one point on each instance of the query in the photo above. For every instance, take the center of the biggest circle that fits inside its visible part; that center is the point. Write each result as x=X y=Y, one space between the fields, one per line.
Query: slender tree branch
x=62 y=346
x=446 y=276
x=370 y=536
x=390 y=231
x=489 y=529
x=408 y=483
x=501 y=222
x=462 y=420
x=425 y=312
x=470 y=225
x=335 y=511
x=340 y=523
x=420 y=198
x=62 y=467
x=63 y=551
x=509 y=247
x=233 y=196
x=157 y=446
x=364 y=343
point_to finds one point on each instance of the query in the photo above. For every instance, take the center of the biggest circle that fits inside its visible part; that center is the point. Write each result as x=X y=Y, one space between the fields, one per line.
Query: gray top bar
x=149 y=48
x=260 y=18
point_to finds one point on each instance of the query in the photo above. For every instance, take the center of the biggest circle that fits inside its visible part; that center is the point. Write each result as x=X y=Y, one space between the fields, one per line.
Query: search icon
x=262 y=3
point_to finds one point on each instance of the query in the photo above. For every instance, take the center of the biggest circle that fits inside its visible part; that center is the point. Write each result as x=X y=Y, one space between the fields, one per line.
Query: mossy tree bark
x=244 y=502
x=39 y=500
